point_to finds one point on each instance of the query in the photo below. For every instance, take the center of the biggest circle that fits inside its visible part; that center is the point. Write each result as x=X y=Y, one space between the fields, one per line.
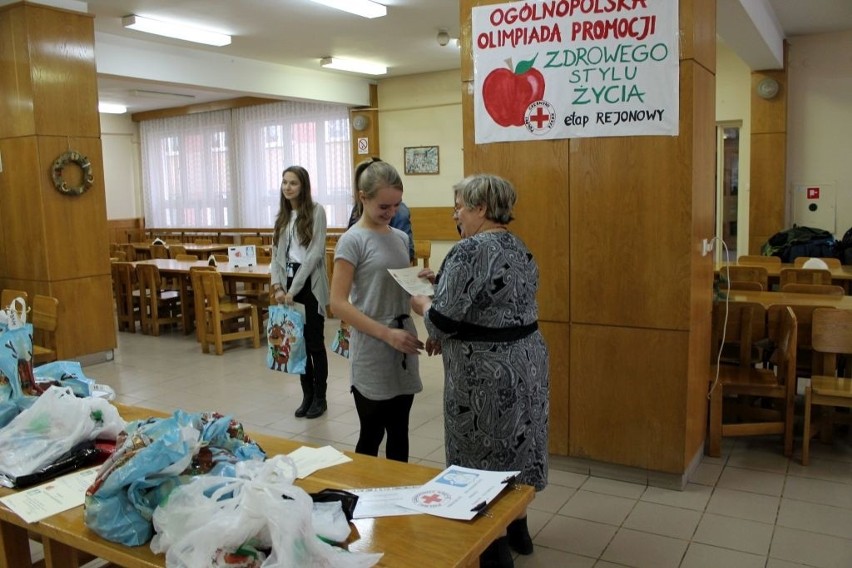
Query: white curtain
x=223 y=168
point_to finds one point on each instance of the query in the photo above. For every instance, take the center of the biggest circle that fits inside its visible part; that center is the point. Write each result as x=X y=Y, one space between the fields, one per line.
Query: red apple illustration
x=507 y=94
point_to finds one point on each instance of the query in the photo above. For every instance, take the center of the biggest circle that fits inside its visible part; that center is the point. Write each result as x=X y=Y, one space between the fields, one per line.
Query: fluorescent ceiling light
x=353 y=65
x=364 y=8
x=175 y=30
x=111 y=108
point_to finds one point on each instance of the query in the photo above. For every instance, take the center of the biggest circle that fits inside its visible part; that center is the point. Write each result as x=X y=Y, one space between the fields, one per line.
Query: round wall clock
x=360 y=122
x=767 y=88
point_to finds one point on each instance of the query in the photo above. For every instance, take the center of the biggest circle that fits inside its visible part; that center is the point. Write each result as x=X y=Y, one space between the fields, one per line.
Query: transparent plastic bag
x=55 y=423
x=155 y=456
x=259 y=509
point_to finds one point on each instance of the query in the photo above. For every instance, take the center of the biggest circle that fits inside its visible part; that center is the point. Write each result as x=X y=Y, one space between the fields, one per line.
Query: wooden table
x=412 y=540
x=180 y=269
x=839 y=276
x=143 y=250
x=767 y=299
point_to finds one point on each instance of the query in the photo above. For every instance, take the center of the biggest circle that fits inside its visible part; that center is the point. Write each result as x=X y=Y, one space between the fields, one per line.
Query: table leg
x=59 y=555
x=14 y=546
x=187 y=317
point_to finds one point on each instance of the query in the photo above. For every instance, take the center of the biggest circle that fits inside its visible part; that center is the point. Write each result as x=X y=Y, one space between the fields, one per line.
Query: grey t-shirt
x=377 y=369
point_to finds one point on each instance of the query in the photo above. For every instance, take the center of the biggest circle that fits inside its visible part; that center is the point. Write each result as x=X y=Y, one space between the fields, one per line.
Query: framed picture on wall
x=421 y=160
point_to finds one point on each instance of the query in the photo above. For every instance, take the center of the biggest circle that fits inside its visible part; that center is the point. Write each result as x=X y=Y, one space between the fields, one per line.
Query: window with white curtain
x=223 y=168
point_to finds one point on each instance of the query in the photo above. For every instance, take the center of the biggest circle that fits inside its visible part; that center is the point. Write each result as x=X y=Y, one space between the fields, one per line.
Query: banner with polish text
x=575 y=69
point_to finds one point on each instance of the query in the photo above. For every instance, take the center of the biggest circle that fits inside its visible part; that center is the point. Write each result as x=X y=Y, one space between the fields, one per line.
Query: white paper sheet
x=309 y=460
x=458 y=492
x=60 y=494
x=381 y=502
x=407 y=278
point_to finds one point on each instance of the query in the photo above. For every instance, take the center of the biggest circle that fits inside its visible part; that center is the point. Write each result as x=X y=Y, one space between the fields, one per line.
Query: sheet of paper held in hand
x=458 y=492
x=60 y=494
x=407 y=278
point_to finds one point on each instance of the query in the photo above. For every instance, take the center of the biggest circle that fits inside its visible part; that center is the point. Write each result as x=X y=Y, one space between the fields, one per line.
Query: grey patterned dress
x=495 y=361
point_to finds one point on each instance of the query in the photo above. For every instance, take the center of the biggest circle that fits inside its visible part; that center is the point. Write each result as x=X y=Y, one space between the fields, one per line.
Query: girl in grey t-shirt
x=383 y=348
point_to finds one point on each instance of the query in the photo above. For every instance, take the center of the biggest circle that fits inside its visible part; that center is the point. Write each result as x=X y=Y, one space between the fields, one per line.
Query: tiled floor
x=750 y=508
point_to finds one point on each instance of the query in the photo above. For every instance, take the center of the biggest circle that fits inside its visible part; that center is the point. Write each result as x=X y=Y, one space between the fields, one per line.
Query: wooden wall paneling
x=16 y=106
x=557 y=335
x=769 y=116
x=539 y=172
x=433 y=223
x=86 y=315
x=65 y=88
x=54 y=243
x=701 y=282
x=371 y=132
x=630 y=225
x=636 y=207
x=767 y=198
x=75 y=226
x=22 y=250
x=768 y=183
x=698 y=33
x=126 y=230
x=627 y=391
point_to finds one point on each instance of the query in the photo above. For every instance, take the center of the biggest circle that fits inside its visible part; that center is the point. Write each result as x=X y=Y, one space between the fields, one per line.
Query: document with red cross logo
x=458 y=492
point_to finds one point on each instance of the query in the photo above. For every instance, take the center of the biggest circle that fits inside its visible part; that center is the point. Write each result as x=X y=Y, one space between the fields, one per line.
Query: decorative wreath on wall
x=83 y=163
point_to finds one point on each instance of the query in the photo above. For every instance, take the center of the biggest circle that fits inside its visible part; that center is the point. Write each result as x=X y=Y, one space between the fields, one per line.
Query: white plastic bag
x=56 y=422
x=261 y=508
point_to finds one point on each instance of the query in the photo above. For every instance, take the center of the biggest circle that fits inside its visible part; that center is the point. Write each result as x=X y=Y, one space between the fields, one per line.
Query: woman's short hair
x=493 y=192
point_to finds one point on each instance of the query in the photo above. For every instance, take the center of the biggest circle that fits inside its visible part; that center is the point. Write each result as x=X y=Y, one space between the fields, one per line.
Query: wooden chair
x=805 y=276
x=252 y=240
x=200 y=241
x=159 y=251
x=256 y=292
x=119 y=256
x=829 y=261
x=828 y=289
x=832 y=337
x=130 y=252
x=759 y=259
x=736 y=332
x=738 y=273
x=422 y=251
x=215 y=311
x=743 y=285
x=125 y=289
x=176 y=249
x=157 y=307
x=804 y=318
x=185 y=257
x=732 y=408
x=9 y=294
x=45 y=318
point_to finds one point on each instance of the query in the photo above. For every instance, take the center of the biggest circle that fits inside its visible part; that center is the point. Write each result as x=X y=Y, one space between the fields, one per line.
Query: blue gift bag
x=285 y=334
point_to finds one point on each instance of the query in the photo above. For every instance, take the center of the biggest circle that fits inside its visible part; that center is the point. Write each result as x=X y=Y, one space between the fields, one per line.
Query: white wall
x=122 y=174
x=819 y=118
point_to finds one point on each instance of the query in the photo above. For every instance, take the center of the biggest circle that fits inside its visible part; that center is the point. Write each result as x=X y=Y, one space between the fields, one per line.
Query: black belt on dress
x=464 y=331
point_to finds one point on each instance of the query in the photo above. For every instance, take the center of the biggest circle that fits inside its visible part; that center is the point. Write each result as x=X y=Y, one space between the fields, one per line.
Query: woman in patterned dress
x=483 y=319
